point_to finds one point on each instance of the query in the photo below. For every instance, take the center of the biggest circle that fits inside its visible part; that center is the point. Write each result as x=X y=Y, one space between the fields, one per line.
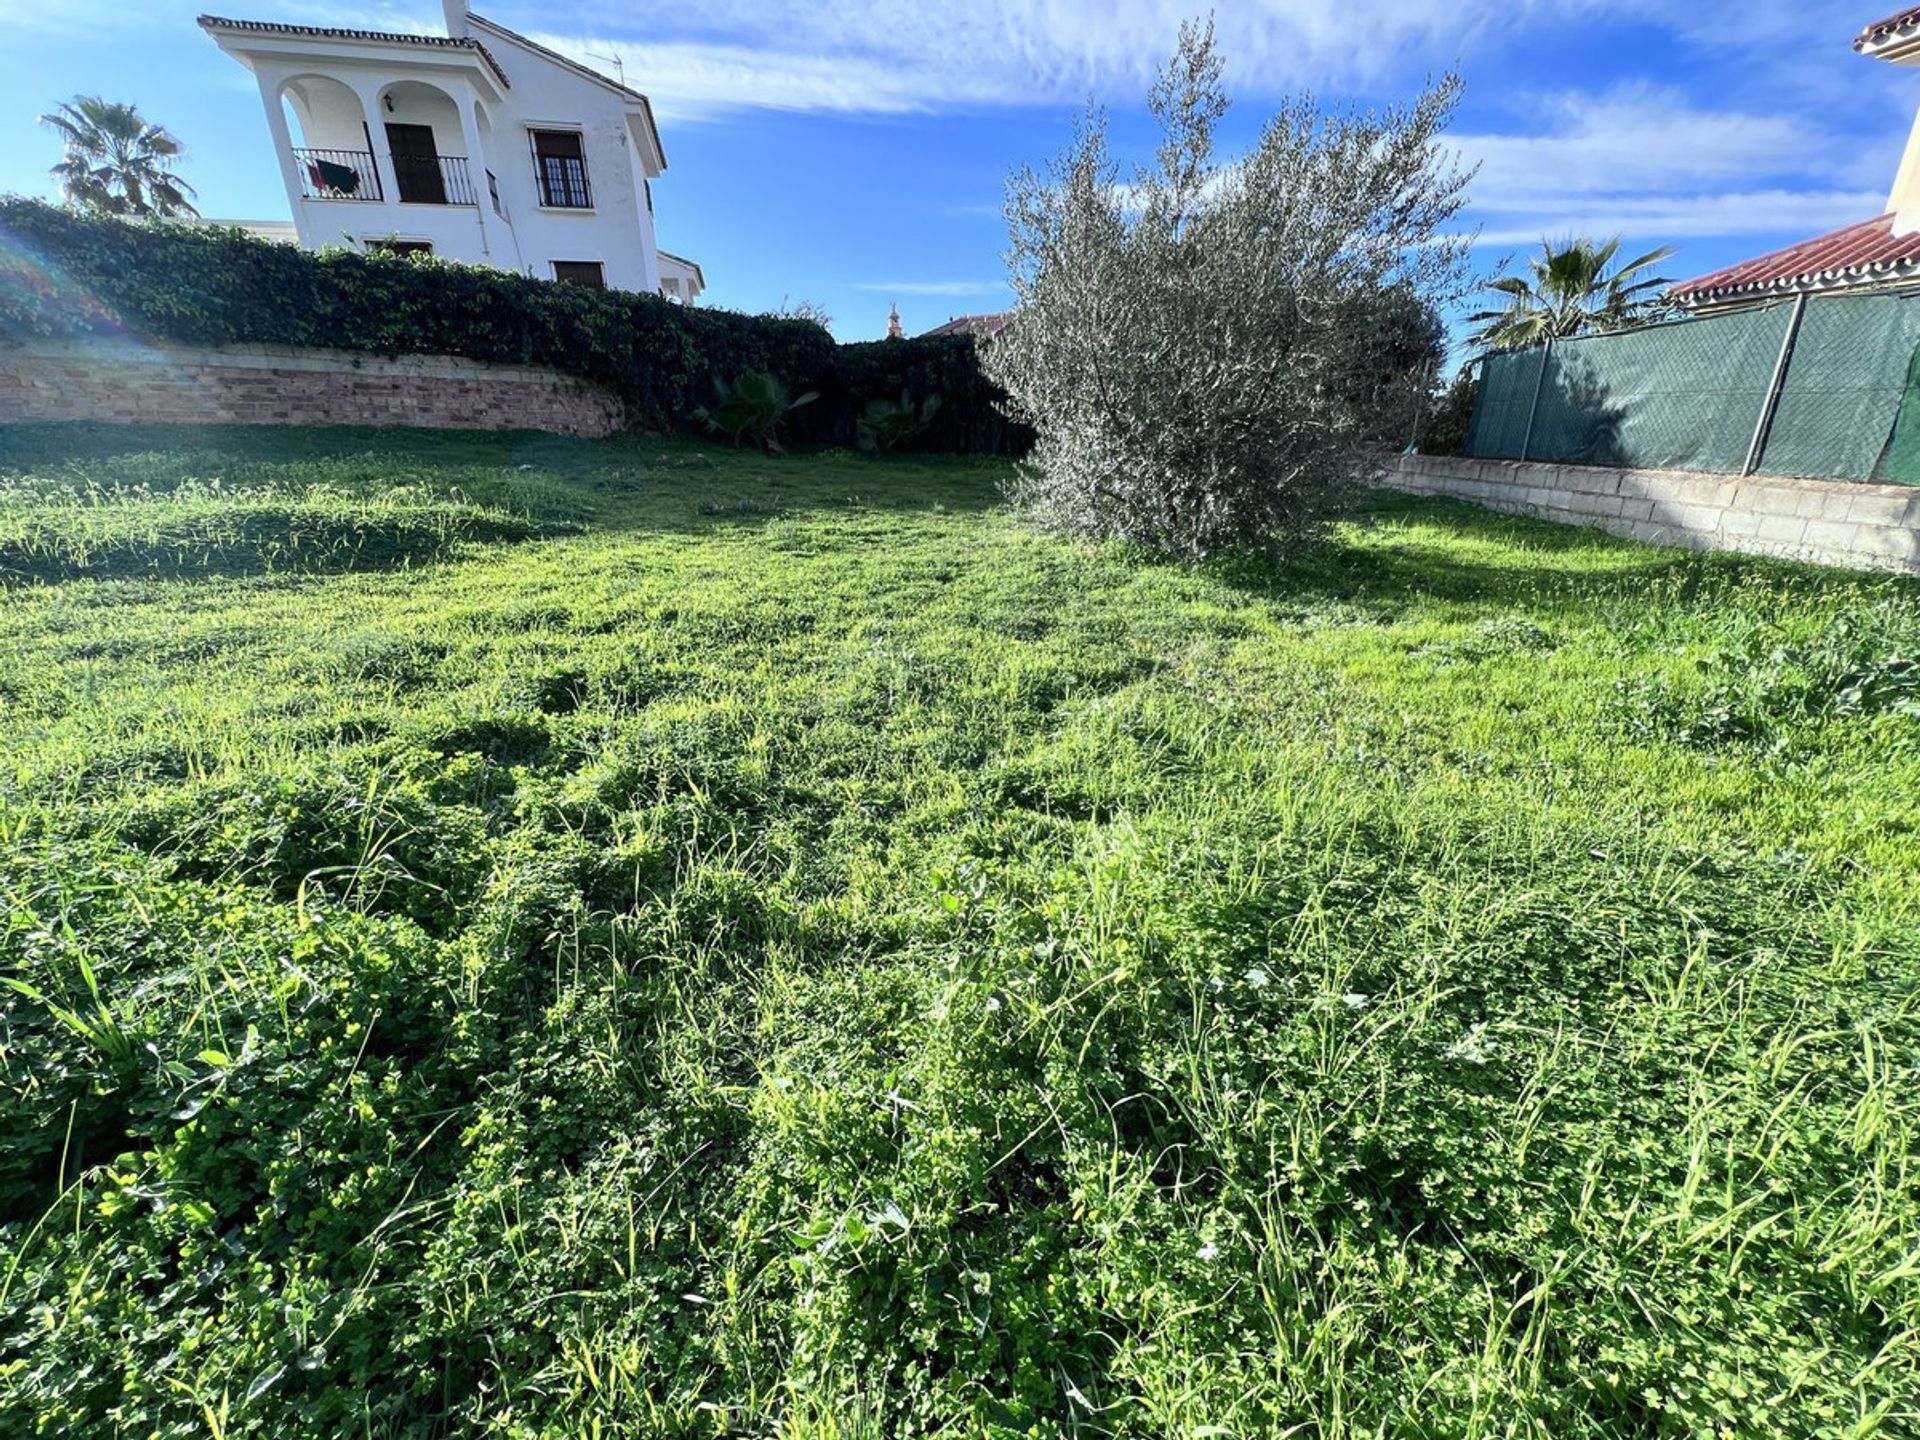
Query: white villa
x=491 y=150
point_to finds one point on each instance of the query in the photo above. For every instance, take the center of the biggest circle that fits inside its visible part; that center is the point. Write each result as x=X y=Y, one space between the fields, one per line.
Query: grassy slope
x=806 y=954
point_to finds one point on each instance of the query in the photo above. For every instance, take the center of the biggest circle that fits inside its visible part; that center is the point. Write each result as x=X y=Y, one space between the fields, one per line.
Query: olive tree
x=1199 y=350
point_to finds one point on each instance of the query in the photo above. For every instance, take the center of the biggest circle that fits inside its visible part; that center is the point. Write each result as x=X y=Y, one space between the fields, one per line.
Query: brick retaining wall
x=285 y=385
x=1830 y=522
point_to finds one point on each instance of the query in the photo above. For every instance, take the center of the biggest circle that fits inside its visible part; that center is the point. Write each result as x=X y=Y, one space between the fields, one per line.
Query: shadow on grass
x=211 y=539
x=57 y=443
x=1451 y=550
x=628 y=482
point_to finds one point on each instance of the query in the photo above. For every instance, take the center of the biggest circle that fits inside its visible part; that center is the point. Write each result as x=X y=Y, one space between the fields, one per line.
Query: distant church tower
x=894 y=332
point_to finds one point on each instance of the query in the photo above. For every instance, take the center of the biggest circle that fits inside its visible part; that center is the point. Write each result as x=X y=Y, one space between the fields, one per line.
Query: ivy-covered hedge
x=968 y=421
x=66 y=275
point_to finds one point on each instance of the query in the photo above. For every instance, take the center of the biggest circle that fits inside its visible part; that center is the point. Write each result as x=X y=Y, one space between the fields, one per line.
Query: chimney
x=456 y=13
x=1904 y=202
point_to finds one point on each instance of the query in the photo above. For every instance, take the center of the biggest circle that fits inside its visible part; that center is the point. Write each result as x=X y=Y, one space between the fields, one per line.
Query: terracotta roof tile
x=331 y=32
x=985 y=326
x=1865 y=253
x=1879 y=30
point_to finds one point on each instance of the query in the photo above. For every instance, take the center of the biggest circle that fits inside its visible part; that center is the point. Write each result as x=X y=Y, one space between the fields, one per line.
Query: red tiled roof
x=1886 y=29
x=984 y=326
x=330 y=32
x=1862 y=254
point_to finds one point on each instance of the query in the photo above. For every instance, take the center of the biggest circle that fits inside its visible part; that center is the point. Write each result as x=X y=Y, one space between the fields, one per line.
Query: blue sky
x=852 y=154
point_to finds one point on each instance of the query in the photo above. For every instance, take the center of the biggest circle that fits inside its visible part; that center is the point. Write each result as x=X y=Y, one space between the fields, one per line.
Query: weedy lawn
x=524 y=938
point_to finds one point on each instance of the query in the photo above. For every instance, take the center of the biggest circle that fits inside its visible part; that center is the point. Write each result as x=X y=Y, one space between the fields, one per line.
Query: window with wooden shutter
x=589 y=273
x=560 y=162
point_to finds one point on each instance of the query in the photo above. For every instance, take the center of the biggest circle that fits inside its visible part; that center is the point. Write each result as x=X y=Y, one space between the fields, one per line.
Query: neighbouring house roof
x=983 y=326
x=331 y=32
x=1903 y=26
x=699 y=277
x=1867 y=253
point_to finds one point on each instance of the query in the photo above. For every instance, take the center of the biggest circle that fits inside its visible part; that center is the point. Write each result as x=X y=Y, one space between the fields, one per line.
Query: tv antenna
x=619 y=65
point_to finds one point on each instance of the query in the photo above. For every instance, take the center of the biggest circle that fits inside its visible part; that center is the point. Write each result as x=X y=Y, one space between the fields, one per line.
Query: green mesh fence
x=1844 y=387
x=1501 y=413
x=1689 y=395
x=1901 y=462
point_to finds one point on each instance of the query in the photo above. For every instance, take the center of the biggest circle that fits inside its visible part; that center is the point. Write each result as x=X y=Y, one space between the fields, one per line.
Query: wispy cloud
x=898 y=56
x=1638 y=158
x=1640 y=138
x=78 y=17
x=1764 y=212
x=1650 y=162
x=955 y=288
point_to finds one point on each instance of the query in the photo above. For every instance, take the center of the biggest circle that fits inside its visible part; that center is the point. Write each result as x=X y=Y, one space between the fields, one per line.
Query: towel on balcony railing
x=342 y=178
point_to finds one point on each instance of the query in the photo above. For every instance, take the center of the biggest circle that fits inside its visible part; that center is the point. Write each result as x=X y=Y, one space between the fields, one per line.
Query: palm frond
x=117 y=161
x=1575 y=288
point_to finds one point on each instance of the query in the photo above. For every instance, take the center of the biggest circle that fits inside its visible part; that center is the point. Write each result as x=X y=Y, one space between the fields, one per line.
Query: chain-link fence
x=1819 y=386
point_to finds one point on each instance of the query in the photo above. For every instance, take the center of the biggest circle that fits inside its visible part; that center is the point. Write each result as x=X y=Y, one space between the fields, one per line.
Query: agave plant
x=887 y=424
x=752 y=409
x=1576 y=289
x=117 y=161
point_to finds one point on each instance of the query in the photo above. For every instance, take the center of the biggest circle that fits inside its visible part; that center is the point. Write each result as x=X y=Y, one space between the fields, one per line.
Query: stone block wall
x=1829 y=522
x=284 y=385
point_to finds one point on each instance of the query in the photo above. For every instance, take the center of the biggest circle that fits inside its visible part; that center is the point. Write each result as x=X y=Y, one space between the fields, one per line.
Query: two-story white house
x=477 y=145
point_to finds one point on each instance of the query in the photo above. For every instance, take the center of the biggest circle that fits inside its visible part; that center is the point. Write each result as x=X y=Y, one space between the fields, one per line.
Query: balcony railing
x=434 y=180
x=352 y=175
x=337 y=175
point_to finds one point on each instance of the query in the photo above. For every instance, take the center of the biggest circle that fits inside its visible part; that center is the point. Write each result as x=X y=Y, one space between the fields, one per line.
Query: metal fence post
x=1539 y=383
x=1771 y=405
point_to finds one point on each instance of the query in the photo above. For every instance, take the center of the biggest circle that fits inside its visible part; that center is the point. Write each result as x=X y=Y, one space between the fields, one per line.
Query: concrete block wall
x=284 y=385
x=1830 y=522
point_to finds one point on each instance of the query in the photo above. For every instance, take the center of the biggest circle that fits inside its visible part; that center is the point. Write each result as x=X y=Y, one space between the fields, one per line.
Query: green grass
x=625 y=939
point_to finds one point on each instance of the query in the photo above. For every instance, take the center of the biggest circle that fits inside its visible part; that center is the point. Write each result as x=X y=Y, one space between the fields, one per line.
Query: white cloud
x=935 y=287
x=80 y=17
x=1680 y=217
x=1651 y=164
x=1640 y=139
x=894 y=56
x=1637 y=158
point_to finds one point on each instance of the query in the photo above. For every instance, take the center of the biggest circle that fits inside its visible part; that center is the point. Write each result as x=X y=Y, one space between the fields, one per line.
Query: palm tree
x=117 y=162
x=1576 y=290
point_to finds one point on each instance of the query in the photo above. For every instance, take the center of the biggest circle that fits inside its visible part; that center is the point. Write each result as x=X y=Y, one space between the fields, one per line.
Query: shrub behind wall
x=969 y=420
x=65 y=275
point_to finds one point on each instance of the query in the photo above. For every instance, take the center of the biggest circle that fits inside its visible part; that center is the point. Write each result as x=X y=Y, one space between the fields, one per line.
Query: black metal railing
x=337 y=175
x=434 y=180
x=563 y=183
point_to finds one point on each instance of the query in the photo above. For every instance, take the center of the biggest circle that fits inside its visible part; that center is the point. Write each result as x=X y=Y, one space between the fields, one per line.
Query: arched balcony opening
x=425 y=142
x=483 y=127
x=332 y=144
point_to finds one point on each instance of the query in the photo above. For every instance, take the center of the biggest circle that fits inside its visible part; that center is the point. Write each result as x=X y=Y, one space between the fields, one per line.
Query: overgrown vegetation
x=1204 y=352
x=894 y=424
x=64 y=275
x=805 y=955
x=753 y=410
x=1448 y=422
x=213 y=512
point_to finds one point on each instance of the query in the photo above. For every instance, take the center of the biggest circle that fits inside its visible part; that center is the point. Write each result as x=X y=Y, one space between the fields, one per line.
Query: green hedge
x=66 y=275
x=969 y=420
